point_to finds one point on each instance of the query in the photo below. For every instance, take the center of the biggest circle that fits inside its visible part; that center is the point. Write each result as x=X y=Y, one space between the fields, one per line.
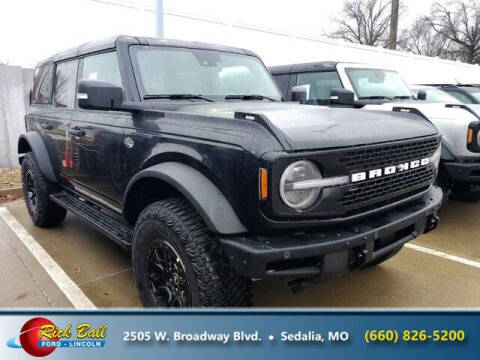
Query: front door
x=97 y=136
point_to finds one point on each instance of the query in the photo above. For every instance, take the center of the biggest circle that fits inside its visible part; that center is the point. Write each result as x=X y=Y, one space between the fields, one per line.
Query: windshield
x=168 y=70
x=437 y=95
x=377 y=83
x=476 y=94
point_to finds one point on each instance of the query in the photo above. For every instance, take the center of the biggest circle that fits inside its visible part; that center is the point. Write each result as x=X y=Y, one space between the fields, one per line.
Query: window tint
x=65 y=84
x=462 y=97
x=42 y=85
x=102 y=67
x=282 y=81
x=319 y=85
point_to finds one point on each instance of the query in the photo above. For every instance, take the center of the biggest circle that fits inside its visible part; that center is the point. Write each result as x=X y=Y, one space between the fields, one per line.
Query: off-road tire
x=44 y=213
x=383 y=258
x=211 y=280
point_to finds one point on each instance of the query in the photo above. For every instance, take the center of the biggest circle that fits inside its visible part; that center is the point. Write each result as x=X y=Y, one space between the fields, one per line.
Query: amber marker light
x=263 y=179
x=470 y=136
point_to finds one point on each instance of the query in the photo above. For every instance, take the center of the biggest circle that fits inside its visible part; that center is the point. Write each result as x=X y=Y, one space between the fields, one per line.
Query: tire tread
x=218 y=284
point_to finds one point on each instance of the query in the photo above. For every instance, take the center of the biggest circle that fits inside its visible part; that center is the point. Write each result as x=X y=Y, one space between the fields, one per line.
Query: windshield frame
x=141 y=89
x=347 y=70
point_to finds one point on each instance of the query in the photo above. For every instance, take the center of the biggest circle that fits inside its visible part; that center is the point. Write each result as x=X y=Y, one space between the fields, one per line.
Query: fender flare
x=39 y=148
x=446 y=153
x=205 y=197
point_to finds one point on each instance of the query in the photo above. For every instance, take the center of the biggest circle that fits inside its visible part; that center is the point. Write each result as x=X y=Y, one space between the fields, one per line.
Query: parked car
x=183 y=153
x=466 y=94
x=433 y=94
x=369 y=87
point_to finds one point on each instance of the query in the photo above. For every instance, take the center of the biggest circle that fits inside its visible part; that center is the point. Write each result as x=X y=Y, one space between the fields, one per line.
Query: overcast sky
x=31 y=30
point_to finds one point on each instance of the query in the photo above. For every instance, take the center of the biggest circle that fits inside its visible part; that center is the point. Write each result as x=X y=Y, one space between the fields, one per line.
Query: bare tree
x=422 y=39
x=459 y=22
x=364 y=22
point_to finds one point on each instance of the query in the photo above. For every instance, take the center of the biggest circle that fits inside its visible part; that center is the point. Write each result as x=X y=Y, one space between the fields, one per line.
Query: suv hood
x=452 y=120
x=303 y=127
x=433 y=110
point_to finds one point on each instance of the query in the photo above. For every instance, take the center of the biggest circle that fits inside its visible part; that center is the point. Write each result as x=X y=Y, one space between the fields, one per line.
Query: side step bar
x=96 y=215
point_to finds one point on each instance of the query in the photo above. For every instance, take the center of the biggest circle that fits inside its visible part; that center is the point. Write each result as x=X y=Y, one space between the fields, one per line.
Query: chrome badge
x=389 y=170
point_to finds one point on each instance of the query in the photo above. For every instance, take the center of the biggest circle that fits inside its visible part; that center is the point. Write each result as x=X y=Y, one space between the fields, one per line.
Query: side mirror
x=342 y=97
x=422 y=95
x=100 y=95
x=299 y=94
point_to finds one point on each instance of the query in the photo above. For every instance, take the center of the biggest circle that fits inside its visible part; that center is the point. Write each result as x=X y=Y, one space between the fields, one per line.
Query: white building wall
x=278 y=48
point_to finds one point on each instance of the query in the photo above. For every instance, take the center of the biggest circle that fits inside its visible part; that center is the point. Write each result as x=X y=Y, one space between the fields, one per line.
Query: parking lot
x=441 y=269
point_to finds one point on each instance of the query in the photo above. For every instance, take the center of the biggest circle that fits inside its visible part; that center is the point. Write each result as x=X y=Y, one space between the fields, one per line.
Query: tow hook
x=431 y=224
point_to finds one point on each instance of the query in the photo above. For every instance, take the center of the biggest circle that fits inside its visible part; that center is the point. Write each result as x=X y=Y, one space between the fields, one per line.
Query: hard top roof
x=466 y=87
x=305 y=67
x=112 y=42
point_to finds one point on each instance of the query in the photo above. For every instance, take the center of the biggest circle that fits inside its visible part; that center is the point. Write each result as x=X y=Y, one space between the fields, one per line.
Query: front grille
x=376 y=190
x=385 y=155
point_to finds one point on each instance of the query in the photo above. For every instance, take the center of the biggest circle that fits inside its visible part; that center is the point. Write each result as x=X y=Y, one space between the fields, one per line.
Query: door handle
x=76 y=132
x=46 y=126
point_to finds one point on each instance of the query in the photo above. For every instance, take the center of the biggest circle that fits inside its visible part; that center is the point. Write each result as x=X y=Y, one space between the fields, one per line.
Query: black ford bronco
x=183 y=153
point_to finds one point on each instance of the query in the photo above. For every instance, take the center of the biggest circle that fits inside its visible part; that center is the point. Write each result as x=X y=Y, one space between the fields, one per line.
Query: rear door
x=57 y=126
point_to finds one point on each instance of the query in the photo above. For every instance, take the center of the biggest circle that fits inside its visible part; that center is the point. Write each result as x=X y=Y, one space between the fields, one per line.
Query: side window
x=282 y=81
x=42 y=85
x=102 y=67
x=65 y=84
x=319 y=85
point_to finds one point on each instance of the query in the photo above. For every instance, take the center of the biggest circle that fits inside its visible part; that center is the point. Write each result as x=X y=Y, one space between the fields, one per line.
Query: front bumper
x=463 y=171
x=332 y=251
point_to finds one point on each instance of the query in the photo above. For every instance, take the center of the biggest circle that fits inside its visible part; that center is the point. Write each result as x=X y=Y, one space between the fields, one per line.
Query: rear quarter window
x=42 y=85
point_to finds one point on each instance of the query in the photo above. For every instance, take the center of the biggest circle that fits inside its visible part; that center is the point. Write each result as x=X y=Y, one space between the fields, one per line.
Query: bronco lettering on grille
x=375 y=173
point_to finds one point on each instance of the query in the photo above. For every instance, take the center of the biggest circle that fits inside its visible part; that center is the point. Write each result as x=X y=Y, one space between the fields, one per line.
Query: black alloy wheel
x=167 y=276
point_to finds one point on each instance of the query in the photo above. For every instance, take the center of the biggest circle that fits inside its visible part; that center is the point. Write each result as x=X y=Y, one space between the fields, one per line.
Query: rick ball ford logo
x=40 y=337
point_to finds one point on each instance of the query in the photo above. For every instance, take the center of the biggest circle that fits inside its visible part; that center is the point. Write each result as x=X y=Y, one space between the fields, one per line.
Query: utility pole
x=159 y=18
x=392 y=42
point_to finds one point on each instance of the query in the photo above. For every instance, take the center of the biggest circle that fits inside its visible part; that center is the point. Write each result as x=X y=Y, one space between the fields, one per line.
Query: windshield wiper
x=176 y=97
x=374 y=97
x=402 y=97
x=248 y=97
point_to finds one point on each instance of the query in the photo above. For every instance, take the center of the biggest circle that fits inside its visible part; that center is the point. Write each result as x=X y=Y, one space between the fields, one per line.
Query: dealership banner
x=248 y=335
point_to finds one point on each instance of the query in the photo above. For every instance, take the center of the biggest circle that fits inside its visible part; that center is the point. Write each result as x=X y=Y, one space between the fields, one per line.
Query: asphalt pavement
x=440 y=270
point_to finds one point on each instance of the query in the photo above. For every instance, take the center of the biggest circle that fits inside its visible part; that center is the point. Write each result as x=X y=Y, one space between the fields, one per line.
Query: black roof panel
x=305 y=67
x=112 y=42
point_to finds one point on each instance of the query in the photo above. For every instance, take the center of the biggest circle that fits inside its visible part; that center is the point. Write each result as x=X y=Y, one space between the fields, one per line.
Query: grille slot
x=376 y=190
x=384 y=155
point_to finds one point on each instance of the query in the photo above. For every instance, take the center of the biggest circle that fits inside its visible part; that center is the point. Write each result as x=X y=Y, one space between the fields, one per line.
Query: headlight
x=300 y=171
x=435 y=159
